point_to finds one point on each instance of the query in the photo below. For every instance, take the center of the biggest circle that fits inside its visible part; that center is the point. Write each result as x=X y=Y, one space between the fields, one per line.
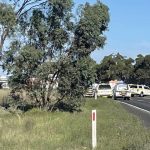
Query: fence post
x=94 y=137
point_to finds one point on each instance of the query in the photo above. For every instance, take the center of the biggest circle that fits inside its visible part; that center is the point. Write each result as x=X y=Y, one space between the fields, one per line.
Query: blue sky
x=129 y=28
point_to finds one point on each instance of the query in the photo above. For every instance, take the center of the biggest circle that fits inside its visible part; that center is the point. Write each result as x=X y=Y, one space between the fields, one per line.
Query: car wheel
x=141 y=94
x=132 y=95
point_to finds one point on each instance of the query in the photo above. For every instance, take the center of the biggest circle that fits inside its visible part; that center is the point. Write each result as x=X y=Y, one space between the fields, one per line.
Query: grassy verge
x=38 y=130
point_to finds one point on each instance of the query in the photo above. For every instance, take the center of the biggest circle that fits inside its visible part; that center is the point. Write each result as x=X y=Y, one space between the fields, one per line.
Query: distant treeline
x=122 y=68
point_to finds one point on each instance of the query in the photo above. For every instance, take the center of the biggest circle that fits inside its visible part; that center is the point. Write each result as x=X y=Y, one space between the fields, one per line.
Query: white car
x=121 y=90
x=104 y=89
x=145 y=89
x=134 y=89
x=141 y=90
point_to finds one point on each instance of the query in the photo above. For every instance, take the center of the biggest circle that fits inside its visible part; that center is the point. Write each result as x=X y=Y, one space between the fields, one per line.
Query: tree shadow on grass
x=64 y=107
x=15 y=104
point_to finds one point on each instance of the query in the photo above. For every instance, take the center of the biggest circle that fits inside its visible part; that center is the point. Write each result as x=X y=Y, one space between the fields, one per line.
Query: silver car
x=121 y=90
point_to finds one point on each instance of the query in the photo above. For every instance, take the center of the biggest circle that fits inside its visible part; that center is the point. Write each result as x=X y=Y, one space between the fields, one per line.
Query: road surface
x=139 y=106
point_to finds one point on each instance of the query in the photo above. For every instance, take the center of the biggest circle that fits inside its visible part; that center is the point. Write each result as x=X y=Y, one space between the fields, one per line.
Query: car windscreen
x=133 y=86
x=101 y=87
x=146 y=87
x=122 y=87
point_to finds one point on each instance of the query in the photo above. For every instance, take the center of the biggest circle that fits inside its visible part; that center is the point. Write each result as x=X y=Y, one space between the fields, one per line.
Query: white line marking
x=136 y=107
x=140 y=100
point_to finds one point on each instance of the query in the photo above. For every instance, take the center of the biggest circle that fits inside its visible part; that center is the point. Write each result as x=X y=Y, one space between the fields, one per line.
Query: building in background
x=4 y=82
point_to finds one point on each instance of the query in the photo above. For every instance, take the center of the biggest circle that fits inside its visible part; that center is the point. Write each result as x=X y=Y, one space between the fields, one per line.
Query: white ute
x=140 y=90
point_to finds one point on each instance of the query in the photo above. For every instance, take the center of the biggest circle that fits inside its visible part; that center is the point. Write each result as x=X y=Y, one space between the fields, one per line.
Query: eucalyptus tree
x=11 y=14
x=142 y=69
x=115 y=67
x=55 y=49
x=7 y=22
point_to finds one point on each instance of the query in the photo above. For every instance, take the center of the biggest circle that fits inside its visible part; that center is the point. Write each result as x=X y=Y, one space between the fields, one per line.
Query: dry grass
x=3 y=93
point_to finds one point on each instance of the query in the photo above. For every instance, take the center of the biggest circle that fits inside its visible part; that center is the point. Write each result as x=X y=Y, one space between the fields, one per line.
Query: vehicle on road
x=140 y=90
x=121 y=90
x=104 y=89
x=134 y=89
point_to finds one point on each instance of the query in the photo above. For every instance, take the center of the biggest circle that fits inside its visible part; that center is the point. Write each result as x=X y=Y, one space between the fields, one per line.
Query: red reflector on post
x=94 y=139
x=93 y=116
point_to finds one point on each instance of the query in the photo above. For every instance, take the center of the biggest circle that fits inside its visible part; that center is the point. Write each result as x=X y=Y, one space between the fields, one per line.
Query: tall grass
x=3 y=93
x=39 y=130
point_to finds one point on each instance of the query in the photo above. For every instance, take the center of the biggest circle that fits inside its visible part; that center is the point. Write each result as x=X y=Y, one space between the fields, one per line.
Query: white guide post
x=94 y=138
x=95 y=95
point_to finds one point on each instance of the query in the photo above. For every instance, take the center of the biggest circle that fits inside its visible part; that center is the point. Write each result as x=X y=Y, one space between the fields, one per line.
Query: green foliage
x=21 y=64
x=89 y=30
x=142 y=69
x=115 y=67
x=12 y=13
x=119 y=67
x=75 y=78
x=54 y=50
x=7 y=22
x=7 y=16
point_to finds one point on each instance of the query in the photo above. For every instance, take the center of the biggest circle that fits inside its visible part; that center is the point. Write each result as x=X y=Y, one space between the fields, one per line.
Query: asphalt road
x=139 y=106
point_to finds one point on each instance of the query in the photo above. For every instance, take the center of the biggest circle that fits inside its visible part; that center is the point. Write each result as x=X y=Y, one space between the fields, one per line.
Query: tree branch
x=27 y=3
x=3 y=37
x=33 y=2
x=32 y=8
x=22 y=7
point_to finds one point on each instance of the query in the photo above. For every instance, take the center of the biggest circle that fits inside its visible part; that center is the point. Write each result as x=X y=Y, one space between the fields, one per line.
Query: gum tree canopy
x=142 y=69
x=11 y=13
x=115 y=67
x=53 y=47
